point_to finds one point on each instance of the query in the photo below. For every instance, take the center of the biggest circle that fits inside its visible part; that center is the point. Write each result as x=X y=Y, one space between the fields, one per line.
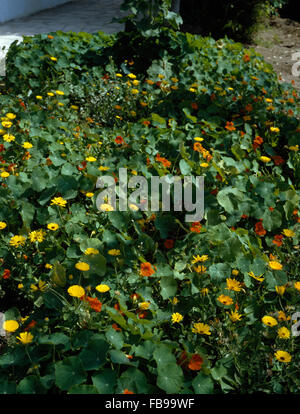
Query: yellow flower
x=275 y=265
x=297 y=285
x=50 y=93
x=274 y=129
x=283 y=356
x=200 y=269
x=42 y=286
x=52 y=226
x=201 y=328
x=284 y=333
x=288 y=233
x=89 y=195
x=10 y=326
x=280 y=290
x=82 y=266
x=91 y=250
x=192 y=90
x=74 y=107
x=102 y=168
x=20 y=286
x=39 y=97
x=269 y=321
x=234 y=272
x=198 y=258
x=91 y=159
x=8 y=137
x=233 y=284
x=174 y=301
x=114 y=252
x=17 y=241
x=294 y=148
x=119 y=75
x=259 y=278
x=5 y=174
x=269 y=100
x=135 y=91
x=204 y=291
x=53 y=58
x=106 y=207
x=225 y=300
x=59 y=92
x=27 y=145
x=76 y=291
x=102 y=288
x=133 y=207
x=235 y=316
x=204 y=165
x=144 y=305
x=58 y=201
x=6 y=124
x=176 y=317
x=9 y=115
x=36 y=236
x=25 y=338
x=265 y=159
x=199 y=139
x=131 y=76
x=2 y=225
x=281 y=316
x=48 y=266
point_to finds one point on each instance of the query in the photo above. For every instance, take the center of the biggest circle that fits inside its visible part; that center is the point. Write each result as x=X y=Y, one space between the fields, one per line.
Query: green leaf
x=105 y=382
x=30 y=385
x=58 y=275
x=134 y=380
x=94 y=355
x=168 y=287
x=69 y=372
x=83 y=389
x=203 y=384
x=170 y=378
x=97 y=264
x=115 y=338
x=185 y=168
x=8 y=387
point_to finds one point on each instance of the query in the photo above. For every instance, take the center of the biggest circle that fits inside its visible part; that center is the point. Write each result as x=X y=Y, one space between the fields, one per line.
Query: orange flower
x=116 y=327
x=146 y=269
x=230 y=126
x=119 y=140
x=126 y=391
x=198 y=147
x=194 y=105
x=246 y=58
x=30 y=325
x=6 y=274
x=164 y=161
x=257 y=142
x=196 y=362
x=278 y=239
x=196 y=227
x=277 y=159
x=94 y=303
x=259 y=229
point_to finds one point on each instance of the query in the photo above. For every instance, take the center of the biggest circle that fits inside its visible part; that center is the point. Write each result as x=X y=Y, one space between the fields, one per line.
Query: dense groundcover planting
x=102 y=301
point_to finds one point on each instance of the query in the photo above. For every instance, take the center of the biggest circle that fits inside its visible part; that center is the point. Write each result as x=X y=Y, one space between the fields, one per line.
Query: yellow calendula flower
x=102 y=168
x=27 y=145
x=39 y=97
x=281 y=316
x=225 y=300
x=265 y=159
x=8 y=137
x=59 y=92
x=54 y=59
x=234 y=272
x=6 y=124
x=204 y=165
x=91 y=250
x=284 y=333
x=274 y=129
x=144 y=305
x=2 y=225
x=233 y=284
x=135 y=91
x=84 y=267
x=131 y=76
x=269 y=321
x=201 y=328
x=10 y=116
x=283 y=356
x=200 y=269
x=297 y=286
x=102 y=288
x=280 y=290
x=89 y=195
x=10 y=325
x=48 y=266
x=52 y=226
x=76 y=291
x=174 y=301
x=37 y=236
x=199 y=139
x=106 y=207
x=17 y=241
x=275 y=265
x=114 y=252
x=235 y=316
x=20 y=286
x=198 y=258
x=91 y=159
x=288 y=232
x=259 y=278
x=58 y=201
x=50 y=93
x=294 y=148
x=25 y=338
x=176 y=317
x=5 y=174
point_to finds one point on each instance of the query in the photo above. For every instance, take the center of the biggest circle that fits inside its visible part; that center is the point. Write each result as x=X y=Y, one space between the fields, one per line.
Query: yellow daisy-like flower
x=37 y=236
x=280 y=290
x=135 y=91
x=114 y=252
x=89 y=195
x=102 y=288
x=297 y=286
x=91 y=250
x=59 y=92
x=233 y=284
x=119 y=75
x=42 y=286
x=225 y=300
x=76 y=291
x=27 y=145
x=2 y=225
x=91 y=159
x=8 y=137
x=234 y=272
x=58 y=201
x=133 y=207
x=25 y=338
x=198 y=258
x=10 y=115
x=174 y=301
x=50 y=93
x=235 y=316
x=20 y=286
x=200 y=269
x=54 y=59
x=201 y=328
x=269 y=321
x=204 y=165
x=265 y=159
x=176 y=317
x=288 y=233
x=199 y=139
x=144 y=305
x=52 y=226
x=283 y=356
x=10 y=325
x=275 y=265
x=39 y=97
x=106 y=207
x=281 y=316
x=48 y=266
x=274 y=129
x=294 y=148
x=131 y=76
x=284 y=333
x=17 y=241
x=84 y=267
x=259 y=278
x=6 y=124
x=5 y=174
x=103 y=168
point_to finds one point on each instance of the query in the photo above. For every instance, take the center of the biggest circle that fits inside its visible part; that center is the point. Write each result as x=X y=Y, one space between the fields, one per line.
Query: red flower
x=6 y=274
x=83 y=163
x=196 y=362
x=169 y=244
x=94 y=303
x=119 y=140
x=257 y=142
x=259 y=229
x=246 y=58
x=277 y=159
x=278 y=239
x=196 y=227
x=116 y=327
x=30 y=325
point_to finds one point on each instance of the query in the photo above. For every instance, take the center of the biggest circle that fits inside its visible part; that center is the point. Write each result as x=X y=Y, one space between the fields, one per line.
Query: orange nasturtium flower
x=146 y=269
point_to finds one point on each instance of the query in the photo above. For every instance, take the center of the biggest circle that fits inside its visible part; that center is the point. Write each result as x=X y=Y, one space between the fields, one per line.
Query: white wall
x=12 y=9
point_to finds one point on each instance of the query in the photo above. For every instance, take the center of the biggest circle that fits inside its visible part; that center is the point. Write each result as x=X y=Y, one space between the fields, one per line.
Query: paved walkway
x=77 y=16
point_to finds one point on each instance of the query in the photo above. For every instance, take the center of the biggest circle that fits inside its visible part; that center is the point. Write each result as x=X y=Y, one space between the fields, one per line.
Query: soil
x=277 y=41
